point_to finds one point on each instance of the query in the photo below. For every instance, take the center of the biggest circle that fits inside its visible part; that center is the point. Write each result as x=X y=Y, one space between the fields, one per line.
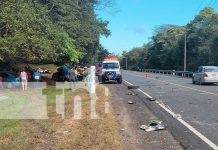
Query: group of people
x=76 y=74
x=73 y=74
x=26 y=76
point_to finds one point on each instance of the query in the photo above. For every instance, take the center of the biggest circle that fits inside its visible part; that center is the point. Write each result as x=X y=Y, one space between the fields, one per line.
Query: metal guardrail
x=187 y=74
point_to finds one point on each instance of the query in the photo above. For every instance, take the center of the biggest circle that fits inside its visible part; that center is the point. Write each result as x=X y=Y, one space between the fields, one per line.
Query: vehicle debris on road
x=153 y=125
x=151 y=99
x=133 y=94
x=178 y=116
x=133 y=87
x=130 y=102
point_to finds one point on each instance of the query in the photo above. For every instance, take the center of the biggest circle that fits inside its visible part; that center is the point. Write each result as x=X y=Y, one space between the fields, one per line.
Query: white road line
x=128 y=82
x=187 y=87
x=144 y=93
x=192 y=129
x=138 y=89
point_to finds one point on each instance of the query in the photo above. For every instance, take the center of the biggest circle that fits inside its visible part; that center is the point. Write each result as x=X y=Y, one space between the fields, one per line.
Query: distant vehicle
x=43 y=70
x=111 y=70
x=205 y=74
x=10 y=79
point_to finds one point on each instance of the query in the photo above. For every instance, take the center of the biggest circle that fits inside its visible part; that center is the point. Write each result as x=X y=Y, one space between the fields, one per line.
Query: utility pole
x=185 y=51
x=126 y=63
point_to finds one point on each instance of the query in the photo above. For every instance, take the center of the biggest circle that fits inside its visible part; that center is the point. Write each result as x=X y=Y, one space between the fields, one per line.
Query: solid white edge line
x=128 y=82
x=139 y=89
x=144 y=93
x=192 y=129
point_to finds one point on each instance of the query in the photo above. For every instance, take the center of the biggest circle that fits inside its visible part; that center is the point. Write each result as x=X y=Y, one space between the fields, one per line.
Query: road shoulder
x=132 y=116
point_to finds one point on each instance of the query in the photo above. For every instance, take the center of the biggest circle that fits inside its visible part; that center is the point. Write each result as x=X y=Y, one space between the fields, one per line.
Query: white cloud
x=140 y=30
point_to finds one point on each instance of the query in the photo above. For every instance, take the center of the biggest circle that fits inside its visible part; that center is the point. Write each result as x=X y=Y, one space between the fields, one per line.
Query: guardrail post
x=185 y=74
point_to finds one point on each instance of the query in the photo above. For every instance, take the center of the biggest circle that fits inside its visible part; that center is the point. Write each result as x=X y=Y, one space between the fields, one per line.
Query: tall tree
x=166 y=48
x=50 y=31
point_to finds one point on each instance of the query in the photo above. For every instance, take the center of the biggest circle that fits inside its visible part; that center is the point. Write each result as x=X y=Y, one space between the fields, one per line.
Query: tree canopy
x=166 y=48
x=57 y=31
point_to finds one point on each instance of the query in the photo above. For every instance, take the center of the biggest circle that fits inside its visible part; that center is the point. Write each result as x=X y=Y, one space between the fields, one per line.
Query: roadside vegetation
x=166 y=48
x=55 y=32
x=50 y=31
x=56 y=132
x=67 y=133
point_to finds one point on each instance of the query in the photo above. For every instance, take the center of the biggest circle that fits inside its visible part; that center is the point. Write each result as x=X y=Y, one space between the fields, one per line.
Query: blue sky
x=132 y=21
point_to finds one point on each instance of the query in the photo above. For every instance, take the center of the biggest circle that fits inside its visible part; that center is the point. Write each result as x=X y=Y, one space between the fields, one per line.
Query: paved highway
x=198 y=105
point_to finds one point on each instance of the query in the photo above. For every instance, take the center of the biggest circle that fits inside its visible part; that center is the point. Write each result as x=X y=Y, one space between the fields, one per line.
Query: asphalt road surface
x=197 y=105
x=132 y=116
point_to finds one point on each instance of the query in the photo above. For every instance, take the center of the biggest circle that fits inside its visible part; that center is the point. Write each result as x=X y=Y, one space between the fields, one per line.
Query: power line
x=199 y=7
x=211 y=4
x=214 y=3
x=211 y=1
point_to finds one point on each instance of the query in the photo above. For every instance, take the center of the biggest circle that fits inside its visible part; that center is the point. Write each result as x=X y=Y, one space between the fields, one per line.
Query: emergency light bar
x=110 y=57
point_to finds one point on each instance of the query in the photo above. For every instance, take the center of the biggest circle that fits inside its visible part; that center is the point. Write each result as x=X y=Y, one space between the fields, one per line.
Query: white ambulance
x=111 y=70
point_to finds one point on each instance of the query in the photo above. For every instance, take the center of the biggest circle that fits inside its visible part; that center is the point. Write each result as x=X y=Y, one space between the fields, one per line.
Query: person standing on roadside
x=76 y=73
x=27 y=70
x=23 y=78
x=99 y=73
x=1 y=81
x=71 y=78
x=36 y=77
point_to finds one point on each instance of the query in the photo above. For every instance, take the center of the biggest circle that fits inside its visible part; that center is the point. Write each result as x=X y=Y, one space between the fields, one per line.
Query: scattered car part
x=178 y=116
x=133 y=94
x=151 y=99
x=132 y=87
x=130 y=102
x=153 y=125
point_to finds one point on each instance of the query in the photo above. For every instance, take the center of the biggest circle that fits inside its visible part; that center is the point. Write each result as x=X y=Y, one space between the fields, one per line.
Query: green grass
x=9 y=127
x=49 y=134
x=14 y=135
